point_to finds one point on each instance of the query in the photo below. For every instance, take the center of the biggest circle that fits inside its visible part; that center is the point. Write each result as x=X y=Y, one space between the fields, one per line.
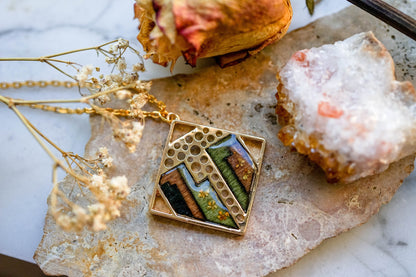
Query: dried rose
x=230 y=29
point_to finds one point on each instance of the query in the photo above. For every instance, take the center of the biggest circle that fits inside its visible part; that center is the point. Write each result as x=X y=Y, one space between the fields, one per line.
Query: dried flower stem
x=50 y=58
x=97 y=48
x=68 y=157
x=90 y=173
x=60 y=70
x=40 y=59
x=37 y=135
x=31 y=130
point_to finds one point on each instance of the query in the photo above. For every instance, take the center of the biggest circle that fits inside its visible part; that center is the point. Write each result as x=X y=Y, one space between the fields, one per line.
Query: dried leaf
x=311 y=6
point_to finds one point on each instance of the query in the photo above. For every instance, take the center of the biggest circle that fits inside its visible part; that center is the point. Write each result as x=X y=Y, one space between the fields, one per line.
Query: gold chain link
x=41 y=84
x=160 y=114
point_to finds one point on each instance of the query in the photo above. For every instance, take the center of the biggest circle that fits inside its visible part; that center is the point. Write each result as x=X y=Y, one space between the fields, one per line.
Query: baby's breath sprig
x=127 y=125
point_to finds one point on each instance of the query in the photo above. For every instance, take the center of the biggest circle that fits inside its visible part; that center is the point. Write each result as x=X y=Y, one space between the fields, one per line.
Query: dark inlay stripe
x=174 y=178
x=175 y=198
x=242 y=169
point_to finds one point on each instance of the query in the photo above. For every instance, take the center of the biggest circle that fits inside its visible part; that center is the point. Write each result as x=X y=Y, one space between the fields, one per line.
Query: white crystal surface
x=347 y=93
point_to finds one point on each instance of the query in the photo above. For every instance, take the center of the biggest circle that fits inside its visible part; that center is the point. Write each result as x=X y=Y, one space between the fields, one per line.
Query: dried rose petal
x=232 y=30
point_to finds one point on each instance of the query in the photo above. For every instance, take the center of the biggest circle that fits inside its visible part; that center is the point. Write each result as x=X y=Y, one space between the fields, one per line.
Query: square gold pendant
x=208 y=177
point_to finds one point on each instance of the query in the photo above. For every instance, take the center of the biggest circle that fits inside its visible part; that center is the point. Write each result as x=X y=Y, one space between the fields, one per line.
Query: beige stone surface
x=294 y=209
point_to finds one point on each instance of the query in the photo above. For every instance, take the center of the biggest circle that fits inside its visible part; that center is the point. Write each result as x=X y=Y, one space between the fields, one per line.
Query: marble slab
x=294 y=210
x=383 y=246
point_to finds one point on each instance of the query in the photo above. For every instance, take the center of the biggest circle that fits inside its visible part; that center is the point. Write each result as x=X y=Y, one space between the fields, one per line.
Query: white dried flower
x=110 y=60
x=137 y=132
x=121 y=64
x=119 y=185
x=102 y=152
x=96 y=208
x=94 y=80
x=97 y=212
x=130 y=78
x=114 y=211
x=88 y=69
x=130 y=134
x=138 y=67
x=83 y=74
x=107 y=162
x=97 y=180
x=98 y=223
x=99 y=186
x=122 y=43
x=116 y=78
x=81 y=216
x=123 y=94
x=100 y=172
x=137 y=128
x=107 y=80
x=103 y=99
x=113 y=48
x=138 y=101
x=143 y=85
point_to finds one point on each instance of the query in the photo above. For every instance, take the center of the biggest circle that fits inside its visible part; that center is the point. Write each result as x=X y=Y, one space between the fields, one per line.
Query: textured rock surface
x=294 y=210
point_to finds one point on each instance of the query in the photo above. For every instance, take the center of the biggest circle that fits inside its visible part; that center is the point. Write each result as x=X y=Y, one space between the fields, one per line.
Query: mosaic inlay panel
x=208 y=177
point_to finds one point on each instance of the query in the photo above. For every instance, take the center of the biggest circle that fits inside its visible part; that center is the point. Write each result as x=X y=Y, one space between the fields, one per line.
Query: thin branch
x=79 y=165
x=60 y=70
x=80 y=185
x=82 y=49
x=28 y=125
x=105 y=52
x=68 y=170
x=86 y=162
x=45 y=138
x=40 y=59
x=34 y=133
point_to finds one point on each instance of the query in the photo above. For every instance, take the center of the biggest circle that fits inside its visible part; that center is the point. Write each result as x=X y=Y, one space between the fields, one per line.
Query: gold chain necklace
x=160 y=114
x=207 y=176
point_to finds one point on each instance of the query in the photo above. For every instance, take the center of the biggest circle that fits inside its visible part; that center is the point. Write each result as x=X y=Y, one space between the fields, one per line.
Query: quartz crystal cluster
x=341 y=105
